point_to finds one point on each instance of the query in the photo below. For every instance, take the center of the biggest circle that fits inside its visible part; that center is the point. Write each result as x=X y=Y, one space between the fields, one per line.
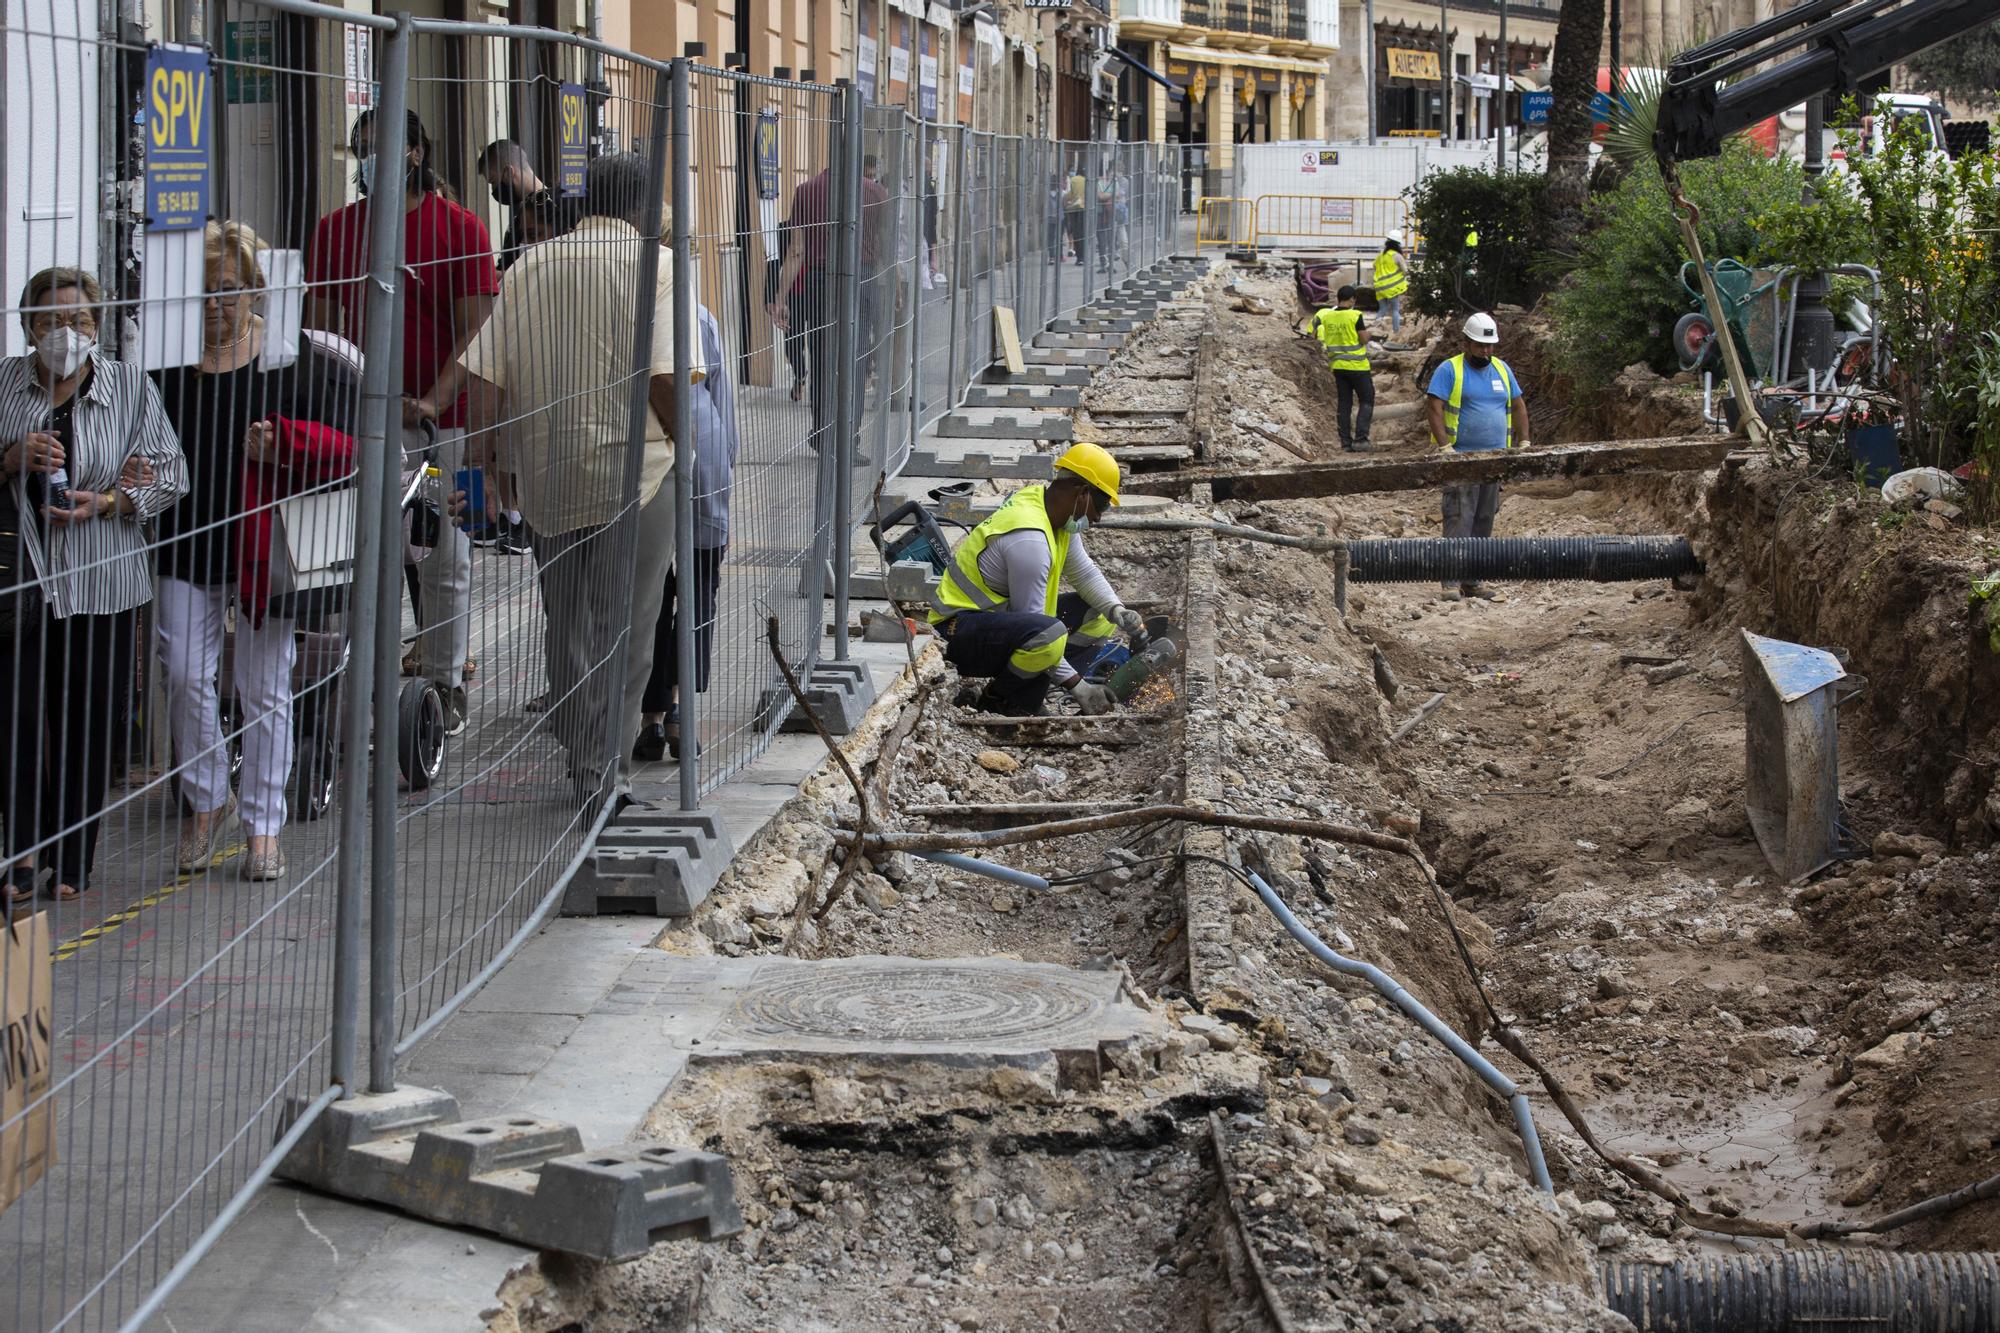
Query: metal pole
x=384 y=337
x=1444 y=70
x=1500 y=97
x=920 y=267
x=381 y=418
x=1090 y=174
x=669 y=172
x=1368 y=54
x=847 y=376
x=953 y=368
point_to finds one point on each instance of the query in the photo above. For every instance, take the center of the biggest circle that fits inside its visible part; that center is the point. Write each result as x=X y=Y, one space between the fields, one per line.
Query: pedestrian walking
x=449 y=284
x=1392 y=279
x=810 y=228
x=794 y=330
x=550 y=377
x=251 y=436
x=1073 y=209
x=89 y=456
x=1475 y=404
x=1343 y=333
x=713 y=458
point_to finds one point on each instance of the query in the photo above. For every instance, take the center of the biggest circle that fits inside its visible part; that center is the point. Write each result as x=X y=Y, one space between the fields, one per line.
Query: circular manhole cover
x=940 y=1005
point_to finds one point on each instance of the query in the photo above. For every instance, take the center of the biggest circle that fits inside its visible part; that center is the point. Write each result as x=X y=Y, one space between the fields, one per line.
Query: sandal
x=469 y=670
x=22 y=886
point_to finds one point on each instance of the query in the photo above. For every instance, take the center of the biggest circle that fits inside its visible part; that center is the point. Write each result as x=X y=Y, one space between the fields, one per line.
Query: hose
x=1469 y=559
x=973 y=865
x=1820 y=1291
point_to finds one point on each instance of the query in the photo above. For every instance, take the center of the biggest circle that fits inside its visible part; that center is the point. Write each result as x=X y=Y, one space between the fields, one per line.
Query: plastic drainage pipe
x=1005 y=874
x=1469 y=559
x=1800 y=1290
x=1392 y=990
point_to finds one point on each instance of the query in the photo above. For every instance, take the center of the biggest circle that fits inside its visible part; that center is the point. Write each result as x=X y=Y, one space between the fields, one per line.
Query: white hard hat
x=1481 y=329
x=1394 y=238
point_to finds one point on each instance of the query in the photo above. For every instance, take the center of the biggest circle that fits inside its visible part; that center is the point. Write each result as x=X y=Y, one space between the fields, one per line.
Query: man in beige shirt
x=550 y=384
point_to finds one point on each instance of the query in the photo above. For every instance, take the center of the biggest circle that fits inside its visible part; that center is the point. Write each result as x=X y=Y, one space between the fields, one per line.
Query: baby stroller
x=316 y=602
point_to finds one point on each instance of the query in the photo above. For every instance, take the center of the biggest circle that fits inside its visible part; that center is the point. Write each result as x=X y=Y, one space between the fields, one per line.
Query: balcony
x=1153 y=13
x=1322 y=21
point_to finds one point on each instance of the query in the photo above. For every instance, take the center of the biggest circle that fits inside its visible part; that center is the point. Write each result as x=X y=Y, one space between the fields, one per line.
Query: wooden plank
x=1010 y=339
x=1426 y=471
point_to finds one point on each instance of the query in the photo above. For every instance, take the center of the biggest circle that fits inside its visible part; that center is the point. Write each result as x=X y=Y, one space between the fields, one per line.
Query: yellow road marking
x=111 y=924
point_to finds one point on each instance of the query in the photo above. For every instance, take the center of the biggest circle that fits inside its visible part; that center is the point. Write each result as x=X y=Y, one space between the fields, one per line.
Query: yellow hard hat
x=1094 y=465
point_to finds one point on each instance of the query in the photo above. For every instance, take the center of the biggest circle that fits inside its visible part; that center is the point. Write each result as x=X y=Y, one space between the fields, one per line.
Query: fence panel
x=1305 y=220
x=179 y=608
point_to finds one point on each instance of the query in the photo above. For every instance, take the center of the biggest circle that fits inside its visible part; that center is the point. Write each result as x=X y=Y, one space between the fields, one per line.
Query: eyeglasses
x=79 y=318
x=224 y=293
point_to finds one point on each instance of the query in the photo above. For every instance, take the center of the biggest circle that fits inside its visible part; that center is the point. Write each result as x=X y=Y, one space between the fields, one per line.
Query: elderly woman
x=86 y=455
x=251 y=436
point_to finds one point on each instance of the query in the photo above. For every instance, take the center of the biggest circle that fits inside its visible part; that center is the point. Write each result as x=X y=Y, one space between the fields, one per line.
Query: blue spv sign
x=573 y=150
x=179 y=120
x=1535 y=107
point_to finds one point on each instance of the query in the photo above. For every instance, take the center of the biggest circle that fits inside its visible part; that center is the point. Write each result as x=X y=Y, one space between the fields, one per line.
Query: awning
x=1173 y=89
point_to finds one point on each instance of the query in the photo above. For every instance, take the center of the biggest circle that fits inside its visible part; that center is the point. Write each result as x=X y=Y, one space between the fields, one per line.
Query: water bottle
x=1140 y=668
x=57 y=484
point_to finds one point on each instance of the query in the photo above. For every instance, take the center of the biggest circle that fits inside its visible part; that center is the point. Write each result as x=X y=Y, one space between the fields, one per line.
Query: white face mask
x=64 y=351
x=366 y=175
x=1078 y=525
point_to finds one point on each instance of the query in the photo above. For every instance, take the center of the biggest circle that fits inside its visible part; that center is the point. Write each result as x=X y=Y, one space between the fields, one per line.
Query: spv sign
x=573 y=149
x=179 y=122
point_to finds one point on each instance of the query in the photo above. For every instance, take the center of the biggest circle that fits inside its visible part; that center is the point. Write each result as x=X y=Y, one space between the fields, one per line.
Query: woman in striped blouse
x=88 y=454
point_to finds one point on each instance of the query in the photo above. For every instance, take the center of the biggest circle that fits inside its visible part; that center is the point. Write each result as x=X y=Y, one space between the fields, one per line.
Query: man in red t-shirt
x=809 y=236
x=449 y=281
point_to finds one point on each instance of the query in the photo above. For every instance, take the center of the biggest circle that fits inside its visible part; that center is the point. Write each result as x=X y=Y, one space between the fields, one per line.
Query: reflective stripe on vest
x=1452 y=403
x=1390 y=279
x=1340 y=334
x=962 y=588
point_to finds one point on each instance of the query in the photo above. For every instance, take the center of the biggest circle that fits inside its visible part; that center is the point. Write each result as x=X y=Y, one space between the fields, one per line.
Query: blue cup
x=472 y=481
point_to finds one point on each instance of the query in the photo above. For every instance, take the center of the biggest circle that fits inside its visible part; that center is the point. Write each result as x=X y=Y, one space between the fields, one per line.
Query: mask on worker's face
x=1478 y=358
x=1077 y=526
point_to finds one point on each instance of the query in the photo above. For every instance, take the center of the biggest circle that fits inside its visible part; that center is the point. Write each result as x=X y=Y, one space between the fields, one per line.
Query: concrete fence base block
x=519 y=1177
x=1024 y=395
x=1106 y=325
x=1109 y=341
x=1066 y=356
x=651 y=860
x=1048 y=426
x=1040 y=374
x=1029 y=467
x=838 y=694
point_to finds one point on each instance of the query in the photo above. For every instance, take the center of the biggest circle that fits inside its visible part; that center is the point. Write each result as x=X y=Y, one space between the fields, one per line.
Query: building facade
x=1215 y=73
x=1448 y=86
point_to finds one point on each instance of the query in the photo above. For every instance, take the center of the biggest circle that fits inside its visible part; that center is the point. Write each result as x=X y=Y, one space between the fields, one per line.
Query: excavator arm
x=1834 y=47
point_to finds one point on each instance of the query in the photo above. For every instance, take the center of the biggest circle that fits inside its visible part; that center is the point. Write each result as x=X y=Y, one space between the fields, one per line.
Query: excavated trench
x=1270 y=1145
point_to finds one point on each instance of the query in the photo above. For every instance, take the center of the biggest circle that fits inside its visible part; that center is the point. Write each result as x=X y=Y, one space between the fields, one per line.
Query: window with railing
x=1167 y=12
x=1198 y=13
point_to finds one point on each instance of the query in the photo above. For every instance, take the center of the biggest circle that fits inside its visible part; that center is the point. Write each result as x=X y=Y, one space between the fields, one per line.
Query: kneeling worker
x=999 y=608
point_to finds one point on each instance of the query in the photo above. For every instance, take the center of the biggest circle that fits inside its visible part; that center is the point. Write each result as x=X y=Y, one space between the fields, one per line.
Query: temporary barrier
x=1224 y=223
x=1311 y=221
x=391 y=549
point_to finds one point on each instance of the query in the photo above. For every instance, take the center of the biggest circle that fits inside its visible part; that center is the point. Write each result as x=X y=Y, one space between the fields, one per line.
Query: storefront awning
x=1173 y=89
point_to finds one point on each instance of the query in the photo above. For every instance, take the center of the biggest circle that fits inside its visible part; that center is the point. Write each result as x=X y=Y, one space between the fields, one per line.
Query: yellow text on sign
x=572 y=121
x=178 y=96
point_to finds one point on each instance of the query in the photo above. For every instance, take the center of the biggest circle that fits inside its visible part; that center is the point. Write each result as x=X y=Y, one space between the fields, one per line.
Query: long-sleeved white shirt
x=1016 y=566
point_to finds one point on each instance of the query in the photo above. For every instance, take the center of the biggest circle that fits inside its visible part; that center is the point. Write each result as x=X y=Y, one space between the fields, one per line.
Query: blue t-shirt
x=1483 y=403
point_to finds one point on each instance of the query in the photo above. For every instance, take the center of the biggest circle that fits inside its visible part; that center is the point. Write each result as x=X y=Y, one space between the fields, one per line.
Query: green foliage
x=1629 y=136
x=1986 y=590
x=1817 y=233
x=1623 y=293
x=1965 y=69
x=1505 y=211
x=1932 y=224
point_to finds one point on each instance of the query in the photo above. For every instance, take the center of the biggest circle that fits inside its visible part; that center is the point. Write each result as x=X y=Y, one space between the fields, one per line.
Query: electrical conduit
x=972 y=864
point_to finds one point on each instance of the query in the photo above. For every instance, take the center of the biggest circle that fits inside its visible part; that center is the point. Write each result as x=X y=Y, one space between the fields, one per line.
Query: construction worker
x=1343 y=334
x=1475 y=404
x=999 y=609
x=1392 y=279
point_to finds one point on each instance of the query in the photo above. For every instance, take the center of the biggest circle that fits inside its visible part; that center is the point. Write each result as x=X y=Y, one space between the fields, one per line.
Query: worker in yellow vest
x=1000 y=608
x=1344 y=335
x=1475 y=404
x=1392 y=279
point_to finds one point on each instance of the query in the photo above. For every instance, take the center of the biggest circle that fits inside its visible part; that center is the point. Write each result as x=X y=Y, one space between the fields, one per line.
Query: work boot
x=1481 y=591
x=1450 y=593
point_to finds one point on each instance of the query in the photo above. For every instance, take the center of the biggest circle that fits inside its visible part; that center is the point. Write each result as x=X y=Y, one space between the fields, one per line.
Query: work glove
x=1128 y=620
x=1093 y=699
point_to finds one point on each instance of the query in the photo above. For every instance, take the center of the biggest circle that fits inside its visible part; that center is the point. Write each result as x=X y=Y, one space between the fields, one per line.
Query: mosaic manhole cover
x=931 y=1005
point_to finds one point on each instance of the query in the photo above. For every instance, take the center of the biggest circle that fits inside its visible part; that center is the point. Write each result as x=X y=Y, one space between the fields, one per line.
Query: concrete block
x=1024 y=395
x=1109 y=341
x=838 y=694
x=1106 y=325
x=519 y=1177
x=651 y=860
x=1044 y=426
x=1065 y=356
x=927 y=463
x=1039 y=374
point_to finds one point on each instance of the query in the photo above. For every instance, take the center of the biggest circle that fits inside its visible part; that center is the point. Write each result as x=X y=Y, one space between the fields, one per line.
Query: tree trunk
x=1573 y=80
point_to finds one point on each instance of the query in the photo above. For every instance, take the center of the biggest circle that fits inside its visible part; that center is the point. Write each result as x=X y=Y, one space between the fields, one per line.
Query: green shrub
x=1505 y=211
x=1622 y=294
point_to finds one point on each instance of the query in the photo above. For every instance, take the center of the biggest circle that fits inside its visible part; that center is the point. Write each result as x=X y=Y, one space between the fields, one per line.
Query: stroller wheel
x=420 y=734
x=313 y=773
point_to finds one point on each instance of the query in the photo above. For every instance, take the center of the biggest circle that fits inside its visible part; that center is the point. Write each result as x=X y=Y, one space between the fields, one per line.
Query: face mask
x=1478 y=358
x=505 y=194
x=64 y=351
x=1078 y=525
x=367 y=175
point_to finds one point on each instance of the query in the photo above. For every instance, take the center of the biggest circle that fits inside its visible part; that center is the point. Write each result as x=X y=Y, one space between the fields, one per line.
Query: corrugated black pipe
x=1811 y=1291
x=1468 y=559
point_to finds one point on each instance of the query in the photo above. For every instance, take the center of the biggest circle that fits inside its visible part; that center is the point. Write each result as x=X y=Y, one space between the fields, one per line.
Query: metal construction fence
x=354 y=560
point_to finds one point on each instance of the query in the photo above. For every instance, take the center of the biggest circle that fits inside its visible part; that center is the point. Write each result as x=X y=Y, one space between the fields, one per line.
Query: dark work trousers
x=65 y=692
x=980 y=643
x=1352 y=385
x=1469 y=509
x=795 y=336
x=816 y=319
x=666 y=657
x=1074 y=223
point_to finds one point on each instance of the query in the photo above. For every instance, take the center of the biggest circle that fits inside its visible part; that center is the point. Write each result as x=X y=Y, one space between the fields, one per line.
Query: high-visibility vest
x=1391 y=279
x=1451 y=404
x=1340 y=334
x=962 y=589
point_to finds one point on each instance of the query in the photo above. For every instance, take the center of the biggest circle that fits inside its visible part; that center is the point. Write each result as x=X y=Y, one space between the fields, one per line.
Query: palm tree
x=1573 y=81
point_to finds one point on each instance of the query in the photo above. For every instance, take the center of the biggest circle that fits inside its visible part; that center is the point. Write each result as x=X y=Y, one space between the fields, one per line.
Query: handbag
x=312 y=551
x=20 y=590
